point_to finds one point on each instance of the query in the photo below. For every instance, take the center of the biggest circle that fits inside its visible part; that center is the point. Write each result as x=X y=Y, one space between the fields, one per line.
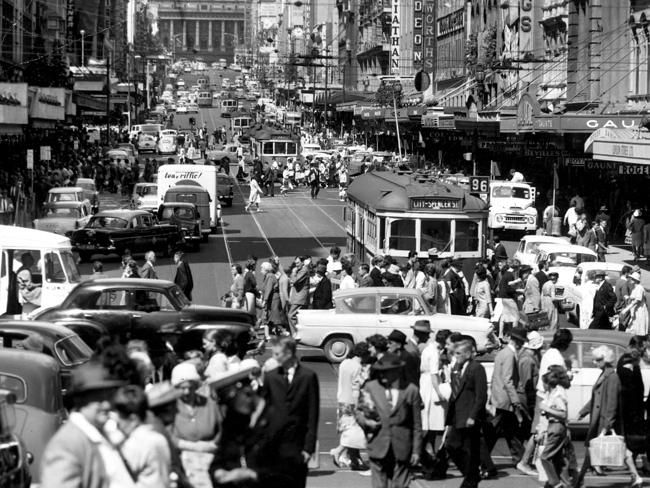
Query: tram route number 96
x=479 y=184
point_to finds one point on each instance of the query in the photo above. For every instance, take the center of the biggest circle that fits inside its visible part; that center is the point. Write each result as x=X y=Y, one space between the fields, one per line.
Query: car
x=225 y=189
x=118 y=156
x=63 y=217
x=59 y=342
x=181 y=108
x=577 y=298
x=130 y=150
x=192 y=108
x=35 y=381
x=361 y=312
x=225 y=155
x=68 y=194
x=169 y=132
x=528 y=247
x=89 y=192
x=167 y=145
x=147 y=143
x=14 y=469
x=185 y=217
x=156 y=311
x=563 y=259
x=113 y=232
x=584 y=371
x=145 y=197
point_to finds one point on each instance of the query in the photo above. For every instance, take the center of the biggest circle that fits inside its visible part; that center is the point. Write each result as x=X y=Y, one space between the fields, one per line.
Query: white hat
x=637 y=213
x=535 y=340
x=636 y=276
x=183 y=372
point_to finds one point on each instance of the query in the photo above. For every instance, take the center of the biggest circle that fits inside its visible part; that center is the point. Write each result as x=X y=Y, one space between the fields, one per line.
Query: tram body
x=268 y=143
x=391 y=214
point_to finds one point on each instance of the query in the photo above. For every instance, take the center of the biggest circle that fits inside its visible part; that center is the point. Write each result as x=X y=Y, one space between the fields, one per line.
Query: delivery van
x=49 y=259
x=170 y=175
x=189 y=191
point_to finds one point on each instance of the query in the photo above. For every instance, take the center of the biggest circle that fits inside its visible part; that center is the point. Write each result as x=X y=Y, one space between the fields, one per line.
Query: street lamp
x=83 y=47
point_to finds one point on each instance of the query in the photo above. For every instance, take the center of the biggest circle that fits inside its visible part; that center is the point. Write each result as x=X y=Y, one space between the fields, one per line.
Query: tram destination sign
x=424 y=203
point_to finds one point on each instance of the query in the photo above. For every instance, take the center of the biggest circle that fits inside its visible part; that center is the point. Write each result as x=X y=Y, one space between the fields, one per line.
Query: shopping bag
x=537 y=460
x=314 y=460
x=607 y=450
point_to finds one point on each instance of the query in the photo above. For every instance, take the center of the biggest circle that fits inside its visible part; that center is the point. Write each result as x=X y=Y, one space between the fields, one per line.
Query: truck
x=512 y=206
x=181 y=174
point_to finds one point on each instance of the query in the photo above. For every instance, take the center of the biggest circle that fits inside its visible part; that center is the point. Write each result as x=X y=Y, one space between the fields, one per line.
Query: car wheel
x=336 y=348
x=205 y=237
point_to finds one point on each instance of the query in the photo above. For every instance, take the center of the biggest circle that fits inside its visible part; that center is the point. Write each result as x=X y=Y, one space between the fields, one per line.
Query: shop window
x=435 y=234
x=467 y=237
x=402 y=235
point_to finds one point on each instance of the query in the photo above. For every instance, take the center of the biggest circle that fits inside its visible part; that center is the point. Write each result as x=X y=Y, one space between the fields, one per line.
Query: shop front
x=47 y=106
x=13 y=108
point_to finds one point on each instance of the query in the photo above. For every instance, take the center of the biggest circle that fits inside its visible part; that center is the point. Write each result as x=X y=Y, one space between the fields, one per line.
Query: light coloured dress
x=548 y=306
x=433 y=413
x=639 y=324
x=483 y=297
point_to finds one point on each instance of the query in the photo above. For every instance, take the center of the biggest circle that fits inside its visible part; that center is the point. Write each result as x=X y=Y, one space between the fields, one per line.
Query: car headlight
x=499 y=218
x=531 y=220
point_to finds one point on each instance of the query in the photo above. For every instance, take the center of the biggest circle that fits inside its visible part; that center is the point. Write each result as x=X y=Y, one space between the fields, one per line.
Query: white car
x=528 y=248
x=63 y=217
x=181 y=109
x=192 y=108
x=167 y=145
x=145 y=197
x=563 y=259
x=362 y=312
x=577 y=297
x=310 y=149
x=169 y=132
x=146 y=143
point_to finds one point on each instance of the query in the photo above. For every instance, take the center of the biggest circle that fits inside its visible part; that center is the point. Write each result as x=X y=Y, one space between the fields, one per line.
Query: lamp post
x=83 y=47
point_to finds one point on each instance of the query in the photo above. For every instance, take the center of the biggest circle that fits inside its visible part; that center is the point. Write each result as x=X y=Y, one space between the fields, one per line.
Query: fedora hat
x=388 y=361
x=92 y=376
x=397 y=336
x=422 y=326
x=519 y=333
x=163 y=393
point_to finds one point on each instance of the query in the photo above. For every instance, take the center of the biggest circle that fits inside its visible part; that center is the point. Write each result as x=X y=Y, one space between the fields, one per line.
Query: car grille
x=515 y=219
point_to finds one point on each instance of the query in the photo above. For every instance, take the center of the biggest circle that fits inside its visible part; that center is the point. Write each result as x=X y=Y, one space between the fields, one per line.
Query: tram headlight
x=499 y=218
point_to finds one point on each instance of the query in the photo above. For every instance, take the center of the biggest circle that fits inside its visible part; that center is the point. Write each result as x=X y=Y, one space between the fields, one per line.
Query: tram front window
x=467 y=238
x=402 y=235
x=435 y=234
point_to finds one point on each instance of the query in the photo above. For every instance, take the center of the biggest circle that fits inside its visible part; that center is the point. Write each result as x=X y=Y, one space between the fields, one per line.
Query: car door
x=398 y=311
x=110 y=307
x=140 y=238
x=152 y=311
x=357 y=314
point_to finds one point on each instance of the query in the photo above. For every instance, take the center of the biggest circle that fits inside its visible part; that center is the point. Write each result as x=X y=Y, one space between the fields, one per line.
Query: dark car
x=59 y=342
x=156 y=311
x=184 y=216
x=14 y=467
x=225 y=187
x=114 y=231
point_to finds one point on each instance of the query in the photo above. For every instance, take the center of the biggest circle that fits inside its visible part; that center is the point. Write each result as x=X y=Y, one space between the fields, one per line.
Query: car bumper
x=523 y=227
x=93 y=248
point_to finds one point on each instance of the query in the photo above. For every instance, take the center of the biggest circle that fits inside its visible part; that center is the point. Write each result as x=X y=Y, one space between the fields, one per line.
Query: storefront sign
x=634 y=169
x=418 y=7
x=13 y=103
x=69 y=24
x=429 y=35
x=589 y=123
x=440 y=121
x=46 y=153
x=576 y=162
x=47 y=103
x=451 y=23
x=626 y=151
x=30 y=159
x=395 y=35
x=434 y=204
x=372 y=113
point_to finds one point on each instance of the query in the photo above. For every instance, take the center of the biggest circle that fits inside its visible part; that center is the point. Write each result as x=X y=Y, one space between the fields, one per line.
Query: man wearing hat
x=79 y=455
x=396 y=345
x=457 y=287
x=389 y=412
x=504 y=397
x=421 y=334
x=604 y=301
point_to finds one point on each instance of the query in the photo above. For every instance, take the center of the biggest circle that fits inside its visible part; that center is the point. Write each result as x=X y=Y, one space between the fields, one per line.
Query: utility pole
x=108 y=96
x=326 y=76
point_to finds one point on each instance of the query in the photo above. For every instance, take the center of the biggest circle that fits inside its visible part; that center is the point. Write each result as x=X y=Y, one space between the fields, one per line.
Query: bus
x=392 y=213
x=267 y=143
x=205 y=99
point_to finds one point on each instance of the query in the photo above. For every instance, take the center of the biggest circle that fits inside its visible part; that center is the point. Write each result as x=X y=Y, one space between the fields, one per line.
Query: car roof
x=594 y=335
x=177 y=204
x=66 y=189
x=544 y=239
x=566 y=248
x=372 y=290
x=48 y=329
x=591 y=265
x=186 y=188
x=15 y=361
x=102 y=283
x=18 y=237
x=86 y=180
x=65 y=204
x=123 y=213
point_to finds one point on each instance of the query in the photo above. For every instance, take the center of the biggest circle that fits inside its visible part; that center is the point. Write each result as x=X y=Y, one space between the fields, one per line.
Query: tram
x=268 y=143
x=393 y=213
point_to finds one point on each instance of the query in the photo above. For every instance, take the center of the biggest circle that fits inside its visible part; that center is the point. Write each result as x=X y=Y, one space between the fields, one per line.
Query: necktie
x=455 y=380
x=389 y=397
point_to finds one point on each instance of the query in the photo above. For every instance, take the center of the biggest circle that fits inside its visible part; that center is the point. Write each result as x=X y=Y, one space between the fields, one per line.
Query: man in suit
x=299 y=292
x=389 y=411
x=500 y=252
x=505 y=396
x=396 y=345
x=364 y=276
x=148 y=270
x=183 y=276
x=73 y=458
x=376 y=271
x=421 y=334
x=458 y=290
x=542 y=274
x=604 y=301
x=466 y=413
x=292 y=390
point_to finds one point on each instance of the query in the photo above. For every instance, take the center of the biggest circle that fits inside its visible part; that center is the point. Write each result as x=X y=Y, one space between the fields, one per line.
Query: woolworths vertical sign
x=395 y=32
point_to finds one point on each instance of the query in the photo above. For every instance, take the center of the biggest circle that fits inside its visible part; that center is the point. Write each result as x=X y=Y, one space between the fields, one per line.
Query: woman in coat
x=636 y=230
x=604 y=411
x=548 y=305
x=275 y=316
x=637 y=307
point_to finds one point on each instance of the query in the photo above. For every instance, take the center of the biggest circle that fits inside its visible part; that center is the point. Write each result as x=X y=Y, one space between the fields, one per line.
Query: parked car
x=68 y=194
x=63 y=217
x=563 y=259
x=153 y=310
x=577 y=298
x=185 y=217
x=14 y=468
x=225 y=189
x=145 y=197
x=193 y=108
x=167 y=145
x=89 y=191
x=181 y=108
x=147 y=143
x=361 y=312
x=35 y=380
x=528 y=247
x=585 y=372
x=112 y=232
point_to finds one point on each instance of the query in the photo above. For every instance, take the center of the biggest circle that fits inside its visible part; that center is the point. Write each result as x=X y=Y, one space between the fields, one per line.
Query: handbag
x=607 y=450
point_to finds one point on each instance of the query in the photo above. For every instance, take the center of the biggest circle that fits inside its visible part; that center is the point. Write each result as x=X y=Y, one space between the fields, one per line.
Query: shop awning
x=630 y=146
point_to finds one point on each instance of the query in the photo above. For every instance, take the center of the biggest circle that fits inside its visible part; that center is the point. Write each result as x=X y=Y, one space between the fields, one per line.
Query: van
x=189 y=191
x=170 y=175
x=49 y=258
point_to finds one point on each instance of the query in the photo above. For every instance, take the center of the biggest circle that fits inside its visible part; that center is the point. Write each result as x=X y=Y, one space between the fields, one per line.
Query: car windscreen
x=167 y=140
x=146 y=190
x=107 y=223
x=511 y=192
x=73 y=213
x=178 y=212
x=568 y=259
x=72 y=351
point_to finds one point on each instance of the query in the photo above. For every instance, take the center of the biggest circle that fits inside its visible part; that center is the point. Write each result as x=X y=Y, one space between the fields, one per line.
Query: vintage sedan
x=90 y=192
x=153 y=310
x=225 y=189
x=63 y=217
x=68 y=194
x=145 y=196
x=185 y=217
x=112 y=232
x=167 y=145
x=528 y=247
x=147 y=143
x=35 y=380
x=361 y=312
x=563 y=259
x=14 y=468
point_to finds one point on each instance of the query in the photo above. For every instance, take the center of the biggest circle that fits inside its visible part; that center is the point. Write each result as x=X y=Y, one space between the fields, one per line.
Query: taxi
x=63 y=217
